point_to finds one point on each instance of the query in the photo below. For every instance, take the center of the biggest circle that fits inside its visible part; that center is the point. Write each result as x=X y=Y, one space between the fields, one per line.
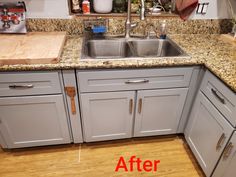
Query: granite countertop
x=218 y=56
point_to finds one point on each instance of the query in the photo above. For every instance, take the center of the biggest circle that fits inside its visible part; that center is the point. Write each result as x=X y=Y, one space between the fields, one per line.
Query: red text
x=136 y=164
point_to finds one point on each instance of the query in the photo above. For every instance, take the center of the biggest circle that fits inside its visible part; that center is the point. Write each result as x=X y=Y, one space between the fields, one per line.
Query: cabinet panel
x=33 y=121
x=107 y=116
x=207 y=133
x=226 y=165
x=75 y=120
x=221 y=96
x=99 y=81
x=29 y=83
x=158 y=112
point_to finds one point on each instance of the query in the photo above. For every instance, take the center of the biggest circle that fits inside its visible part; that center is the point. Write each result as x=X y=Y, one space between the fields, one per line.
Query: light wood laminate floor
x=100 y=159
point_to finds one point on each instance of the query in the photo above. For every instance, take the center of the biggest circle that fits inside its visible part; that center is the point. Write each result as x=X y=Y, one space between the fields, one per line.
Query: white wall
x=217 y=9
x=45 y=8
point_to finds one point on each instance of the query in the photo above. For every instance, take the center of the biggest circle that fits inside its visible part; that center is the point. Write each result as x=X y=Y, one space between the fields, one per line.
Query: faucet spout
x=142 y=11
x=128 y=24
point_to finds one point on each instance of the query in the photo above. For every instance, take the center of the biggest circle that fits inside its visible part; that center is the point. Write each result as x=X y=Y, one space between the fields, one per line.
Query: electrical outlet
x=202 y=8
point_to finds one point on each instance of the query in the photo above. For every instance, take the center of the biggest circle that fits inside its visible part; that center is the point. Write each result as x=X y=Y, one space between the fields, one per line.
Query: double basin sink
x=121 y=48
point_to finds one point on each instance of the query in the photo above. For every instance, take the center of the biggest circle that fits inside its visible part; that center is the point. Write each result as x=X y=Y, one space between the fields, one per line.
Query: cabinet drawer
x=97 y=81
x=29 y=83
x=221 y=96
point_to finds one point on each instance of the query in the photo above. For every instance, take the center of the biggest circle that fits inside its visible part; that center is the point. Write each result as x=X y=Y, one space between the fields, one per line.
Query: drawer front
x=29 y=83
x=98 y=81
x=221 y=96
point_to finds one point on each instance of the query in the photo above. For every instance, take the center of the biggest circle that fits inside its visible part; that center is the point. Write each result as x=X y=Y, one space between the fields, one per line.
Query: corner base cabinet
x=207 y=133
x=226 y=166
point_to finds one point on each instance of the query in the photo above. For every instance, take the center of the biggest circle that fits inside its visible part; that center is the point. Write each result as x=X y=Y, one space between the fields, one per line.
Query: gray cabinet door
x=33 y=121
x=207 y=133
x=158 y=112
x=226 y=166
x=108 y=115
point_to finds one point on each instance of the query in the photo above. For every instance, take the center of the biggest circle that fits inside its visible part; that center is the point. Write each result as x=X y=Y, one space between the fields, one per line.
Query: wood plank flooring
x=100 y=159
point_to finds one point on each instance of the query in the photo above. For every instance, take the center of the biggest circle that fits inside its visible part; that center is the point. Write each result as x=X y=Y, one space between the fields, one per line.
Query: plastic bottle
x=86 y=7
x=163 y=30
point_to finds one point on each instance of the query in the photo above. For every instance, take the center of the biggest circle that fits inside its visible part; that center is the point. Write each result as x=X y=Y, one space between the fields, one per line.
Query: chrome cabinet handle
x=21 y=86
x=137 y=81
x=140 y=103
x=220 y=141
x=130 y=106
x=228 y=150
x=218 y=96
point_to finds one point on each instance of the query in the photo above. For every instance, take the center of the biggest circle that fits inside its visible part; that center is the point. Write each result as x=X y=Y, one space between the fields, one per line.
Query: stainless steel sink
x=154 y=48
x=118 y=48
x=112 y=48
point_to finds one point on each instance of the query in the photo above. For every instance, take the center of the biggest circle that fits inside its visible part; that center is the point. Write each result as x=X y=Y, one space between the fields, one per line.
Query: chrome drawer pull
x=21 y=86
x=137 y=81
x=217 y=96
x=221 y=140
x=228 y=150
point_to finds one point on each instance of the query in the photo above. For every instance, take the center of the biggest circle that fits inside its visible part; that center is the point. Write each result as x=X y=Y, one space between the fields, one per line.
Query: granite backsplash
x=116 y=25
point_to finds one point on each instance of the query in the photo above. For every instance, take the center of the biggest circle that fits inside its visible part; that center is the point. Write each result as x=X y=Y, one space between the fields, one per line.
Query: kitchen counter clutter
x=218 y=56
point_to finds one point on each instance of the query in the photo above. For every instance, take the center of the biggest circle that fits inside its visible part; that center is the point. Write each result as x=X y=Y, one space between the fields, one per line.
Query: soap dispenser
x=163 y=30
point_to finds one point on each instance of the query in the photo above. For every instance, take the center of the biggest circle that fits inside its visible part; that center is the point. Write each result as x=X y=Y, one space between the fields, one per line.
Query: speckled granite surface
x=208 y=50
x=116 y=25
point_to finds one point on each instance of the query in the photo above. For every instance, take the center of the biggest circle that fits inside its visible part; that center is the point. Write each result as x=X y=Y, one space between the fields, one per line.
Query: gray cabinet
x=108 y=115
x=226 y=165
x=33 y=121
x=207 y=133
x=32 y=109
x=221 y=96
x=158 y=112
x=124 y=103
x=69 y=80
x=29 y=83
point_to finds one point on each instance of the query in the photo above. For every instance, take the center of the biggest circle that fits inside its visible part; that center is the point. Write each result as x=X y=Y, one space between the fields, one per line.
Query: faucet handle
x=133 y=25
x=151 y=31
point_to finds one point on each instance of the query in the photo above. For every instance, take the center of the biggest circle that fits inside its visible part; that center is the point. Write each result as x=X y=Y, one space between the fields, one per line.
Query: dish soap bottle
x=86 y=7
x=163 y=30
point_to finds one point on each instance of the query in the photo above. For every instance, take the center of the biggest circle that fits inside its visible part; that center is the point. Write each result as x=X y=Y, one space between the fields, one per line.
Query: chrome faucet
x=128 y=24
